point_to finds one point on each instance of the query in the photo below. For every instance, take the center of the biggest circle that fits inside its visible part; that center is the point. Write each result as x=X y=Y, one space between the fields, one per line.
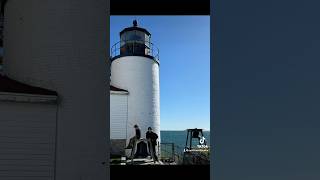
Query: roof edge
x=30 y=98
x=113 y=88
x=135 y=28
x=8 y=85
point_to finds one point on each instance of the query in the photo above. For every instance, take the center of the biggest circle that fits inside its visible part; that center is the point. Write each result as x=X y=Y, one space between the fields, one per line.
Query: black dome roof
x=135 y=27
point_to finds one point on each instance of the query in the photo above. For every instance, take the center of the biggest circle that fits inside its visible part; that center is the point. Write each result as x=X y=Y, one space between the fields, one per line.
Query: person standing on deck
x=152 y=138
x=134 y=138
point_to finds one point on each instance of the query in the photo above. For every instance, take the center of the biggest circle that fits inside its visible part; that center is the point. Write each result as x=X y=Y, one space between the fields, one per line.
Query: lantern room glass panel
x=135 y=42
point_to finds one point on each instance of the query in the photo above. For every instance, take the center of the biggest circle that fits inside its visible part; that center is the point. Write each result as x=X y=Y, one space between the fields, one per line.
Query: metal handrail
x=180 y=155
x=150 y=48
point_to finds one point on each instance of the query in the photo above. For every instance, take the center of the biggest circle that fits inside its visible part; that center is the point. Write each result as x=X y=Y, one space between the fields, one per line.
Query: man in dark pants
x=152 y=138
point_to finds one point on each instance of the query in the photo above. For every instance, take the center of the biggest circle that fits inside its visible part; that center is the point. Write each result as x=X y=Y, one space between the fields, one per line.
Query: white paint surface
x=118 y=116
x=27 y=140
x=140 y=76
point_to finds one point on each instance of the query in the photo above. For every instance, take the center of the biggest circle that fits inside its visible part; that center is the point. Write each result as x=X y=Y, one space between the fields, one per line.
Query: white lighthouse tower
x=135 y=69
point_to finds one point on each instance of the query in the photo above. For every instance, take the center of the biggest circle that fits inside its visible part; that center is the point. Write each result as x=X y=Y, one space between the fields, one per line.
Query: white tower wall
x=61 y=45
x=140 y=76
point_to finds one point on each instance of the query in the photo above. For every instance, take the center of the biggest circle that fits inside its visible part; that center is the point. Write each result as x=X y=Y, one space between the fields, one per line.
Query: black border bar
x=160 y=7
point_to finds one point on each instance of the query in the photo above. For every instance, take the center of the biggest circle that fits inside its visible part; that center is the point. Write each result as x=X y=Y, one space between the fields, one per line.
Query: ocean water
x=179 y=139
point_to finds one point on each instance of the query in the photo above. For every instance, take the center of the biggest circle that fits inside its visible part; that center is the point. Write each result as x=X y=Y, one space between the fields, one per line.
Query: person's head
x=136 y=126
x=149 y=129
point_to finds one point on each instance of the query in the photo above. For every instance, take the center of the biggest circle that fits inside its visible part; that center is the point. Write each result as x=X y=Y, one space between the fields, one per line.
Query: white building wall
x=61 y=45
x=118 y=116
x=27 y=141
x=140 y=76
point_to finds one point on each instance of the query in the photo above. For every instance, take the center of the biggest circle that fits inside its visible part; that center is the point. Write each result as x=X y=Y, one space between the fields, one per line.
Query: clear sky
x=184 y=44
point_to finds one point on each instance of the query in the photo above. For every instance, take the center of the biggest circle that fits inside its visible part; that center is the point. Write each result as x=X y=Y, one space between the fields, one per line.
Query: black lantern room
x=135 y=41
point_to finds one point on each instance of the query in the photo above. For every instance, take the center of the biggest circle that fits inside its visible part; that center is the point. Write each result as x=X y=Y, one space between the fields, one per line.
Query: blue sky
x=184 y=44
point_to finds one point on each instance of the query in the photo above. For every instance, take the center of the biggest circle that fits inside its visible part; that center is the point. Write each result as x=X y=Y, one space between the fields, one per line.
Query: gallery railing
x=135 y=48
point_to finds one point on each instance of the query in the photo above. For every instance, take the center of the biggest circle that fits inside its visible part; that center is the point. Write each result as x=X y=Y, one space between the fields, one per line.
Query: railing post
x=173 y=152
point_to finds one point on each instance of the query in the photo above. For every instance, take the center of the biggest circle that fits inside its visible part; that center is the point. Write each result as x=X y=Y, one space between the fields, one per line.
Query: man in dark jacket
x=152 y=138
